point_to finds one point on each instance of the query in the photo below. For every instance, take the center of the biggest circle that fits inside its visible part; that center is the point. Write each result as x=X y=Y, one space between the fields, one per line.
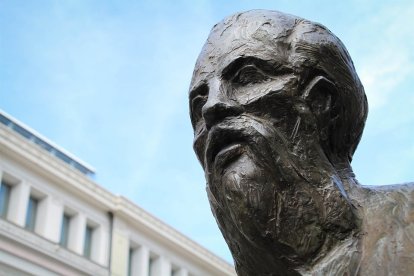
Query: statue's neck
x=344 y=259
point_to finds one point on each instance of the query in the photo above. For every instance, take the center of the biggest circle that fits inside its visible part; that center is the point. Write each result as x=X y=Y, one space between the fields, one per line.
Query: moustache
x=234 y=135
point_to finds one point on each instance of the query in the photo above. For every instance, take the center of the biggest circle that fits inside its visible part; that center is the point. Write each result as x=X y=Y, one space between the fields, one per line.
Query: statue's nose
x=218 y=107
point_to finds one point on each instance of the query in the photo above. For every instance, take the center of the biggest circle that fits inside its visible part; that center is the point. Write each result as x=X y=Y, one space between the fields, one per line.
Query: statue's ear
x=320 y=95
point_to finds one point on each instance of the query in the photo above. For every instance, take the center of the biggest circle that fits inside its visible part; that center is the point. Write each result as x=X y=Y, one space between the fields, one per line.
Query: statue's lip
x=220 y=140
x=227 y=154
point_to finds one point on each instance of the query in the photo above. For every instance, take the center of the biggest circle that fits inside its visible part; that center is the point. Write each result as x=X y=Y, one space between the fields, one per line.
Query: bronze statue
x=278 y=111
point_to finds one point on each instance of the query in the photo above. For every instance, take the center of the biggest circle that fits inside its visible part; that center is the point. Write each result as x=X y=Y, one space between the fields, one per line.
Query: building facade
x=55 y=220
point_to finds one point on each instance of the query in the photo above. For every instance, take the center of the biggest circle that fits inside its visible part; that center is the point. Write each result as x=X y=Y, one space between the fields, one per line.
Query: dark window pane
x=64 y=232
x=4 y=199
x=63 y=156
x=42 y=144
x=4 y=120
x=31 y=214
x=88 y=242
x=131 y=252
x=174 y=271
x=151 y=266
x=23 y=132
x=80 y=167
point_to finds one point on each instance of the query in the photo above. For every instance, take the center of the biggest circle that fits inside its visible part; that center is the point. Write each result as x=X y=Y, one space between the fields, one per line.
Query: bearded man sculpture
x=278 y=110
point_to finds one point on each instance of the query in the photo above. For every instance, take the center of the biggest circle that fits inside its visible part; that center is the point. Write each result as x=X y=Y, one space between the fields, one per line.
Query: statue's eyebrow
x=271 y=67
x=231 y=69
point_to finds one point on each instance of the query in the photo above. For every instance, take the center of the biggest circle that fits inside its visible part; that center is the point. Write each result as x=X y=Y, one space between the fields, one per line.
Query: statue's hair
x=320 y=52
x=313 y=51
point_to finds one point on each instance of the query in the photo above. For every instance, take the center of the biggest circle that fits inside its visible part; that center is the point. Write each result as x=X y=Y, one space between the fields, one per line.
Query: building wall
x=126 y=240
x=41 y=246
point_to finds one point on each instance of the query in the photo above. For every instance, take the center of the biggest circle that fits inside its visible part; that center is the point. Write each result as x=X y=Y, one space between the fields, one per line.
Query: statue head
x=277 y=110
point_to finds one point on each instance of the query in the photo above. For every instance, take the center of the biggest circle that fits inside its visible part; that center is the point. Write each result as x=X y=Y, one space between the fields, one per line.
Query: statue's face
x=256 y=139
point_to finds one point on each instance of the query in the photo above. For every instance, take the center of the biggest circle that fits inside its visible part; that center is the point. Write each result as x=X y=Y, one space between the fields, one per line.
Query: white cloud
x=383 y=73
x=389 y=60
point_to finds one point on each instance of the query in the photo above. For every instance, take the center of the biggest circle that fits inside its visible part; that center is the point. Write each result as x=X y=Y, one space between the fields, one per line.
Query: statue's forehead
x=217 y=54
x=256 y=34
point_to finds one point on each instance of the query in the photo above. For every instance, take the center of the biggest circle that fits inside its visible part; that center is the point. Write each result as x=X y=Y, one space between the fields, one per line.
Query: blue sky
x=108 y=81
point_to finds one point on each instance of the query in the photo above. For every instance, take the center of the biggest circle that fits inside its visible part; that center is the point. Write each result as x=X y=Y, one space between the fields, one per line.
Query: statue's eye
x=197 y=105
x=198 y=100
x=250 y=74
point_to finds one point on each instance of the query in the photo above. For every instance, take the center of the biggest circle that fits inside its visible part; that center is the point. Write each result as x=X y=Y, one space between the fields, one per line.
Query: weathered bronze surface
x=278 y=110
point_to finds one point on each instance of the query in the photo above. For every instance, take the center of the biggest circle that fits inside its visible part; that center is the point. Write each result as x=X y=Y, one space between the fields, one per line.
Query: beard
x=269 y=196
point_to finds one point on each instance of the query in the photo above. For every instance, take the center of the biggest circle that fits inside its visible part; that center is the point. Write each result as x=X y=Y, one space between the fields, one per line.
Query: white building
x=55 y=220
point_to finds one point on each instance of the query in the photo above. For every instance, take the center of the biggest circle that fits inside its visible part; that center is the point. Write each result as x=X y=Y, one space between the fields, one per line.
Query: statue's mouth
x=223 y=143
x=231 y=138
x=228 y=154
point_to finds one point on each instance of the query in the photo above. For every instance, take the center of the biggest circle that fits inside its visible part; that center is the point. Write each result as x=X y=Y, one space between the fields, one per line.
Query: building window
x=130 y=260
x=31 y=213
x=64 y=231
x=4 y=199
x=174 y=270
x=150 y=266
x=87 y=247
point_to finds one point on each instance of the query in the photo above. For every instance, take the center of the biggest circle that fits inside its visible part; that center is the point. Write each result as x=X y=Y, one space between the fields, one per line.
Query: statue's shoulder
x=388 y=206
x=390 y=192
x=386 y=196
x=388 y=227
